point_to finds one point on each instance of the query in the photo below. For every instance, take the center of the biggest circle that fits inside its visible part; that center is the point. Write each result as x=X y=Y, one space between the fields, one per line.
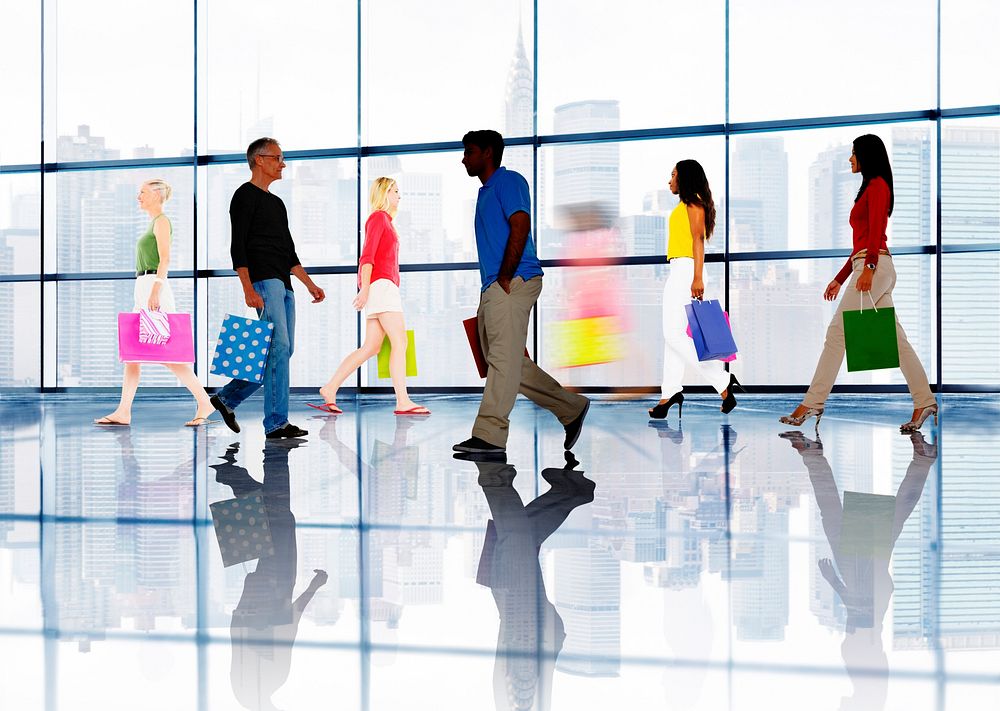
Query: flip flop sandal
x=328 y=407
x=198 y=422
x=108 y=422
x=418 y=410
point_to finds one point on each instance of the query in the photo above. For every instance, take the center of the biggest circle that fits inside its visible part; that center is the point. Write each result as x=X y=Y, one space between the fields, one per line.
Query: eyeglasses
x=278 y=157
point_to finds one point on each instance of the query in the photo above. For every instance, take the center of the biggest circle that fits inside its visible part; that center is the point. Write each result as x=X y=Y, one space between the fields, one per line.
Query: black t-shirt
x=261 y=240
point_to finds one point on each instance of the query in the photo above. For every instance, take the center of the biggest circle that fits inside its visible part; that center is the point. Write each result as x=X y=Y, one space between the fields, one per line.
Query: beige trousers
x=503 y=330
x=833 y=349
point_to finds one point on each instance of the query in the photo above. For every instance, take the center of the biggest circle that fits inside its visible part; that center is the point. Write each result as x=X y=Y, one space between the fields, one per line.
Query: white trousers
x=678 y=348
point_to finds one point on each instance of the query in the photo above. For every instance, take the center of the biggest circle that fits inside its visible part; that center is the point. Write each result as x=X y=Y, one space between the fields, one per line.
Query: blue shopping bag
x=242 y=347
x=713 y=339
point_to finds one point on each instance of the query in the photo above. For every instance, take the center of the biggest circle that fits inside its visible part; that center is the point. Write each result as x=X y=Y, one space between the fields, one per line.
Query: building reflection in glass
x=531 y=633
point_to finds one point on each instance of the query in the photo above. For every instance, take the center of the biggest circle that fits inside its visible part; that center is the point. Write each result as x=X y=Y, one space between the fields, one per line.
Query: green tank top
x=147 y=256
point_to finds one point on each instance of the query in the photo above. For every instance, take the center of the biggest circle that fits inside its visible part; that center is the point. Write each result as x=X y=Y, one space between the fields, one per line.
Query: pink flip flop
x=328 y=407
x=418 y=410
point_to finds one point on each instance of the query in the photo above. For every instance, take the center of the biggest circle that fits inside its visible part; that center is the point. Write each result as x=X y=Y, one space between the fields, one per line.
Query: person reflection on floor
x=531 y=631
x=396 y=453
x=862 y=533
x=694 y=469
x=266 y=620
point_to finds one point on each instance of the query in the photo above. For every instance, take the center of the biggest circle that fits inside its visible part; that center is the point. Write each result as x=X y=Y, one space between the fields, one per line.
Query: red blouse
x=381 y=248
x=869 y=218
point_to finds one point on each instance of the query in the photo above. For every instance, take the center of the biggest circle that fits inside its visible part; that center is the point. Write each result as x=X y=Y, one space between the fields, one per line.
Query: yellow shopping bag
x=587 y=341
x=411 y=357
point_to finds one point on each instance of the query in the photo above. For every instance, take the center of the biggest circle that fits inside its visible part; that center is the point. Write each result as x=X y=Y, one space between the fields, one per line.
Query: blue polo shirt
x=505 y=193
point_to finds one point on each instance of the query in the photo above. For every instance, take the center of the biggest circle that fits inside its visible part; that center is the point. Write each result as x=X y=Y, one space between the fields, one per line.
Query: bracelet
x=161 y=280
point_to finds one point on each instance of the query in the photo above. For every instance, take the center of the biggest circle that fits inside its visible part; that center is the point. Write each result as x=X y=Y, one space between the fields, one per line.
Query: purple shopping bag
x=179 y=348
x=727 y=359
x=713 y=339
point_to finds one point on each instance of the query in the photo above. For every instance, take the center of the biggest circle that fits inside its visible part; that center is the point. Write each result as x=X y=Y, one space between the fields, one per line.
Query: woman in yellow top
x=691 y=225
x=152 y=292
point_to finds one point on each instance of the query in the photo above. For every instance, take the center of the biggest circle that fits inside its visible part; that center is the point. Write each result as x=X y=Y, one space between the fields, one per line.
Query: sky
x=431 y=70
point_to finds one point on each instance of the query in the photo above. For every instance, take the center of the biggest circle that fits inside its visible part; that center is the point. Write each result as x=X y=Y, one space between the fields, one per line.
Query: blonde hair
x=160 y=186
x=378 y=196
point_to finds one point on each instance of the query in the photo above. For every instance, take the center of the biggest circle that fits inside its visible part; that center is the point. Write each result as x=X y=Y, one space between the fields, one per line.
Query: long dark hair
x=692 y=187
x=874 y=162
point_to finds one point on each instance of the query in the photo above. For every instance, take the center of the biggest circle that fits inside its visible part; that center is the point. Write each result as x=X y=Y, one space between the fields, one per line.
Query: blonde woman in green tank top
x=152 y=292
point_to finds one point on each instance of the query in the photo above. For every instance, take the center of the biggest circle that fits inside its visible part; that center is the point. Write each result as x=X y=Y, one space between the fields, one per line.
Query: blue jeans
x=279 y=309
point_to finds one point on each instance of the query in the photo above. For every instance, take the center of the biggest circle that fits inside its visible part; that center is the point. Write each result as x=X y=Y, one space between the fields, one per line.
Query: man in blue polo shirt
x=512 y=281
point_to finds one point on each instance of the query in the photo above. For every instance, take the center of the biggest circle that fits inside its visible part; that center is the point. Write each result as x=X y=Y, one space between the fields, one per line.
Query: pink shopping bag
x=727 y=359
x=178 y=349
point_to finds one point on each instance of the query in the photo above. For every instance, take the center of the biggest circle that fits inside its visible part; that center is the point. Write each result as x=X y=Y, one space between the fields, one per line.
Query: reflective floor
x=717 y=565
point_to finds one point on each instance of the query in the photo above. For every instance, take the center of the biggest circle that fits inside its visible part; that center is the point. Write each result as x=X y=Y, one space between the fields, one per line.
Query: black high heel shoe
x=659 y=411
x=729 y=401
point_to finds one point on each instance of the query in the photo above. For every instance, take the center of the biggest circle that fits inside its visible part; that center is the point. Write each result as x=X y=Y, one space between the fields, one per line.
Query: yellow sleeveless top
x=680 y=243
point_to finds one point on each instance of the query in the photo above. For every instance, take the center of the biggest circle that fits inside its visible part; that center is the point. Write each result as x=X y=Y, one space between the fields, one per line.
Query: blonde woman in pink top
x=378 y=295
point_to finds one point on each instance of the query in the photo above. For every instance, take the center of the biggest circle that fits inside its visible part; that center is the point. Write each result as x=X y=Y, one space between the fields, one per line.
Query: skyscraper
x=519 y=107
x=588 y=597
x=759 y=194
x=970 y=184
x=911 y=226
x=587 y=173
x=832 y=187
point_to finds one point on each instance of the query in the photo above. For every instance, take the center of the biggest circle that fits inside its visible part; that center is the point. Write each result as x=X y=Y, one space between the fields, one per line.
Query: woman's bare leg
x=373 y=342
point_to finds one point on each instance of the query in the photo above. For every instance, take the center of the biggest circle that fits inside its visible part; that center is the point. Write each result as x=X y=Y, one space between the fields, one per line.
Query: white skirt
x=383 y=295
x=144 y=287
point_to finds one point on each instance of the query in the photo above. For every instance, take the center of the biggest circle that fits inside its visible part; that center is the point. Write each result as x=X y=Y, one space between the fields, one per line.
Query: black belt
x=144 y=273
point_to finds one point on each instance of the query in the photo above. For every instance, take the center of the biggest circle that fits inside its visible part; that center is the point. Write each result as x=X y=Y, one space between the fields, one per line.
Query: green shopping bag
x=870 y=337
x=411 y=357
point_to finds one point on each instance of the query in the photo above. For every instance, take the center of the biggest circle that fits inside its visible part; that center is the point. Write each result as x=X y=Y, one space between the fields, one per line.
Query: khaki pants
x=833 y=349
x=503 y=330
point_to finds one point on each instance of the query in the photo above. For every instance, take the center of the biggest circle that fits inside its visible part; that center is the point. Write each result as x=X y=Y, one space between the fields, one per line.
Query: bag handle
x=872 y=298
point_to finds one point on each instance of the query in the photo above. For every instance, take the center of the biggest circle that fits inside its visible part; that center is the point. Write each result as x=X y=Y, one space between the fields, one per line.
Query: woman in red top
x=378 y=294
x=871 y=266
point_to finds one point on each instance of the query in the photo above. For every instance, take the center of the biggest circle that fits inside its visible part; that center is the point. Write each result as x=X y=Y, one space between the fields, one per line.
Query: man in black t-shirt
x=264 y=258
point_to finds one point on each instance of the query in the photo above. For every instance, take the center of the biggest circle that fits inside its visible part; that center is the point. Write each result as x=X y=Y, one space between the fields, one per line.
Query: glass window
x=20 y=304
x=20 y=66
x=661 y=64
x=289 y=72
x=434 y=71
x=98 y=219
x=319 y=195
x=615 y=197
x=780 y=319
x=123 y=75
x=969 y=29
x=20 y=214
x=795 y=190
x=970 y=318
x=324 y=333
x=970 y=181
x=791 y=59
x=633 y=309
x=437 y=207
x=87 y=313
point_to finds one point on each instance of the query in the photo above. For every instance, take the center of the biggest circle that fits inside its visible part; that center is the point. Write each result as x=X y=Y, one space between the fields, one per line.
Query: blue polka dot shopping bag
x=242 y=348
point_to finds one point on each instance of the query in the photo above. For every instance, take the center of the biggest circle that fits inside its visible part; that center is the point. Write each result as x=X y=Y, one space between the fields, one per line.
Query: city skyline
x=772 y=178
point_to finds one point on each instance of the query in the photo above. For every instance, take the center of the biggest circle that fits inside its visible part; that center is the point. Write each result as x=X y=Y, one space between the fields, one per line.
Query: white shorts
x=144 y=287
x=383 y=295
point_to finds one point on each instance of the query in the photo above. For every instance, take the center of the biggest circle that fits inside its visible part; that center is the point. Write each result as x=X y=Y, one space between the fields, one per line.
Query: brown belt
x=865 y=254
